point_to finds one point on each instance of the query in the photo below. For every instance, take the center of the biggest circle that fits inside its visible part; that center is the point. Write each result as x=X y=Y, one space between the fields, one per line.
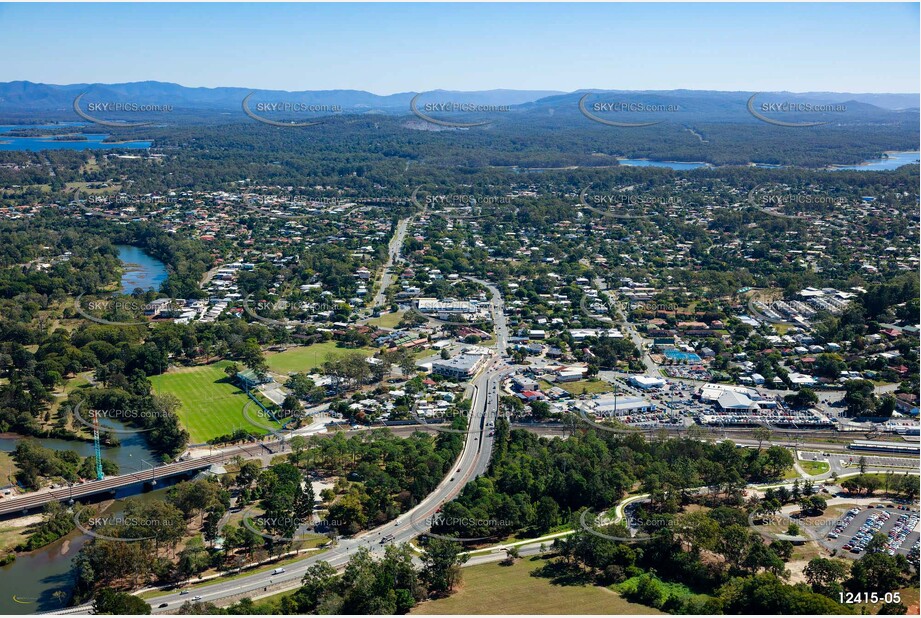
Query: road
x=472 y=461
x=497 y=311
x=393 y=254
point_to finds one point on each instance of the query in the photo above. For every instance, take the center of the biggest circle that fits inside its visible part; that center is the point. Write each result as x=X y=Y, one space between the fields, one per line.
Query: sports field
x=305 y=358
x=211 y=405
x=496 y=589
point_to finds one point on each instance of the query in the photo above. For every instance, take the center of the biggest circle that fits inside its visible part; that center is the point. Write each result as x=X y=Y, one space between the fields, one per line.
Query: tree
x=877 y=571
x=292 y=406
x=298 y=445
x=762 y=434
x=803 y=398
x=109 y=601
x=777 y=460
x=211 y=530
x=252 y=356
x=231 y=370
x=859 y=397
x=441 y=565
x=548 y=514
x=318 y=582
x=825 y=575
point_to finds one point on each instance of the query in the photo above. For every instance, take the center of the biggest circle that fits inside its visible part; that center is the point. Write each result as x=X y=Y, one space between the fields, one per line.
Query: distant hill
x=23 y=96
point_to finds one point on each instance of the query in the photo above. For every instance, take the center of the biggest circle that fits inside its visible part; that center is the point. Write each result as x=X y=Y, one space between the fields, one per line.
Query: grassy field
x=588 y=387
x=211 y=405
x=814 y=467
x=387 y=320
x=909 y=598
x=305 y=358
x=7 y=468
x=496 y=589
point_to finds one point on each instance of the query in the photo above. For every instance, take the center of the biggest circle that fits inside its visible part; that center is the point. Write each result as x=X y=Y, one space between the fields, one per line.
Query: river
x=141 y=270
x=43 y=580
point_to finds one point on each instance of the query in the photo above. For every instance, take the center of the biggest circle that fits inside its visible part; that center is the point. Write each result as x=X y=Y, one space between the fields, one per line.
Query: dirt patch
x=796 y=571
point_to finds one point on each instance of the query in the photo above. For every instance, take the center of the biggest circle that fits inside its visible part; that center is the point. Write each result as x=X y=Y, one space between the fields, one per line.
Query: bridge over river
x=35 y=500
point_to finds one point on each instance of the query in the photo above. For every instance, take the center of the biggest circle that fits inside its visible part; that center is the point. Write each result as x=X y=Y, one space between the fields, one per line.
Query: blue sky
x=387 y=48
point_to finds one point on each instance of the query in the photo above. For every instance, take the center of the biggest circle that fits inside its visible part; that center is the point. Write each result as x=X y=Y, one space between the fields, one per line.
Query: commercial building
x=620 y=406
x=646 y=382
x=453 y=307
x=461 y=367
x=712 y=392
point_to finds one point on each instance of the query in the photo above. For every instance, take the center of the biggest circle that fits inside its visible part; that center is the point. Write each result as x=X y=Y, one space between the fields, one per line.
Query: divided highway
x=472 y=462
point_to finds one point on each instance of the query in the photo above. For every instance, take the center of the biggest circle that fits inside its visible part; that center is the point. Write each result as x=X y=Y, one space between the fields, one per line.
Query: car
x=196 y=598
x=163 y=605
x=278 y=571
x=182 y=592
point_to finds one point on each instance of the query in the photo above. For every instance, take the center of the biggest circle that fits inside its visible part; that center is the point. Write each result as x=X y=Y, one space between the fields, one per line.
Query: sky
x=388 y=48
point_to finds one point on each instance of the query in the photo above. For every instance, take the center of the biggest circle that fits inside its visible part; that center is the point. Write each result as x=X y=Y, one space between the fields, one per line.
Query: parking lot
x=876 y=461
x=854 y=529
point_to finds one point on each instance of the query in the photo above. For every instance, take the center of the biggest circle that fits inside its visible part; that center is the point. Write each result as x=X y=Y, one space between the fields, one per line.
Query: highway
x=472 y=461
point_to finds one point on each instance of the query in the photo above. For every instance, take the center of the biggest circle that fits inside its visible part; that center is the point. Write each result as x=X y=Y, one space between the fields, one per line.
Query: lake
x=675 y=165
x=94 y=141
x=141 y=270
x=893 y=160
